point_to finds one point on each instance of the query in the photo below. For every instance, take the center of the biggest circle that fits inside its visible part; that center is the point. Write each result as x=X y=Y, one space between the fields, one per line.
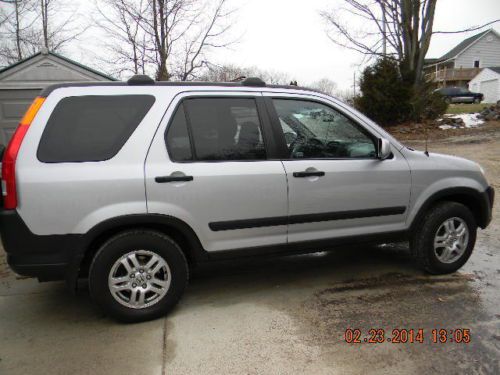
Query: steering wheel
x=336 y=148
x=306 y=145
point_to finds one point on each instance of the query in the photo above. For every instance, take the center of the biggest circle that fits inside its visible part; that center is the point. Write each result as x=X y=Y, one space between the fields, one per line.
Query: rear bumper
x=45 y=257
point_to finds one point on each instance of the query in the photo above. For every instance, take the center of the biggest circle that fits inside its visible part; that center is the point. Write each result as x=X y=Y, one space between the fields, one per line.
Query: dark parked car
x=460 y=95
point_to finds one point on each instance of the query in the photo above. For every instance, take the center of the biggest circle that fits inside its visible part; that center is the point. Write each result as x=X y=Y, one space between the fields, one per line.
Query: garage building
x=488 y=83
x=21 y=82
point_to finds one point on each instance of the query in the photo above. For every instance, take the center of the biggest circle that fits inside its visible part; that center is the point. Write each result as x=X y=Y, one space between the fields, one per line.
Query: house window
x=476 y=63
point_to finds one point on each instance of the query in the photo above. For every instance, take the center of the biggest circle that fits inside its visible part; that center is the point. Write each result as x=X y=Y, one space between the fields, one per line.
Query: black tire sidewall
x=430 y=226
x=122 y=244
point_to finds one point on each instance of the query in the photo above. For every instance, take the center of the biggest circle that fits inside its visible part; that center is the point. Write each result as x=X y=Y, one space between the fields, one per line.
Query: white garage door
x=13 y=104
x=490 y=90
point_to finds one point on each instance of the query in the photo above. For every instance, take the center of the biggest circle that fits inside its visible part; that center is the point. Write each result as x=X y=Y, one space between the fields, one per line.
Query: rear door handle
x=309 y=174
x=163 y=179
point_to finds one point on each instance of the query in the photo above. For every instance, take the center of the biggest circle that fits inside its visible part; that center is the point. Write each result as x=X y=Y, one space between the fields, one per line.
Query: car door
x=210 y=165
x=465 y=95
x=337 y=187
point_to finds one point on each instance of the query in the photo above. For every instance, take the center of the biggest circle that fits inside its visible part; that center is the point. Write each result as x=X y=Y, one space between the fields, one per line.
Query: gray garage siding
x=22 y=81
x=13 y=104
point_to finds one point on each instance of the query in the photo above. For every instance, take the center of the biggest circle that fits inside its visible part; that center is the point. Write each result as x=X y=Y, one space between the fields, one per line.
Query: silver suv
x=129 y=184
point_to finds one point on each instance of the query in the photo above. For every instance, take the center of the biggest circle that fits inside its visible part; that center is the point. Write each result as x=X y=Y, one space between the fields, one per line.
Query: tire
x=447 y=100
x=477 y=100
x=150 y=251
x=434 y=224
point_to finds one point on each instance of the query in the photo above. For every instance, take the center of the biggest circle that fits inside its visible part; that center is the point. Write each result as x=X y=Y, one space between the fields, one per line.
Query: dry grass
x=466 y=108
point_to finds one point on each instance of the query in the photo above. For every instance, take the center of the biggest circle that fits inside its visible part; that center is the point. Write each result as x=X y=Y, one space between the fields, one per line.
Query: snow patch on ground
x=469 y=120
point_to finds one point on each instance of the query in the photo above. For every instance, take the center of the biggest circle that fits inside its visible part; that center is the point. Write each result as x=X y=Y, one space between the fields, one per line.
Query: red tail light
x=10 y=155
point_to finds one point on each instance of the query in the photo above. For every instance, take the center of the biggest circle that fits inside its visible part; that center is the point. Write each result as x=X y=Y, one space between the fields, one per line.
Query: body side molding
x=307 y=218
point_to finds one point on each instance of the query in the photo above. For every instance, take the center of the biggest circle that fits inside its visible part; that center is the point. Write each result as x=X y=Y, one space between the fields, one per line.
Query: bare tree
x=472 y=28
x=398 y=29
x=172 y=37
x=26 y=26
x=223 y=73
x=325 y=85
x=228 y=73
x=125 y=39
x=54 y=34
x=395 y=29
x=209 y=34
x=195 y=25
x=16 y=30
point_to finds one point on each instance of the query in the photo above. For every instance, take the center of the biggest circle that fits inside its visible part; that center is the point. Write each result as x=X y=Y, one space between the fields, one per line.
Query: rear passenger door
x=211 y=165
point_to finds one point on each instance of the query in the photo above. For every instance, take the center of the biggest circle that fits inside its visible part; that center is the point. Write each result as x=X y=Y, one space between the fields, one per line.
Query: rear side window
x=216 y=129
x=91 y=128
x=177 y=138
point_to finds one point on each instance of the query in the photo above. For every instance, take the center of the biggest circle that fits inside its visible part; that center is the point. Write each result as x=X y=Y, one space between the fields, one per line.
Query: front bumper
x=28 y=254
x=489 y=197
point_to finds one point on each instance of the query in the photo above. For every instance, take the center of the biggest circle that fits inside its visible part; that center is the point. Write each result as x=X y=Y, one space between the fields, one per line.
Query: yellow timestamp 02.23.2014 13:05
x=407 y=336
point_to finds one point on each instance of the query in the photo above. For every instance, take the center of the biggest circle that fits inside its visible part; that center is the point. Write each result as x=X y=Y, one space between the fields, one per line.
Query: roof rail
x=253 y=81
x=141 y=79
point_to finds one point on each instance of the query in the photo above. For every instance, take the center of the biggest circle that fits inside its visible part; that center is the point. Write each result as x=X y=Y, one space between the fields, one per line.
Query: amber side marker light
x=9 y=157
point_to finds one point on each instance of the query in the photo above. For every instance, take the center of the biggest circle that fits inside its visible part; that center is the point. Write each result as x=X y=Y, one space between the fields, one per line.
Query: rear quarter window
x=91 y=128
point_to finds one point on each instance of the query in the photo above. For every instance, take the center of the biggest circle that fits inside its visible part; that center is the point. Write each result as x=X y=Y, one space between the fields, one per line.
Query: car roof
x=146 y=81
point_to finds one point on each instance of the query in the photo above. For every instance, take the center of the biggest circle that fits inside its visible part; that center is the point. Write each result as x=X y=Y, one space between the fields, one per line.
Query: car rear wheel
x=477 y=100
x=445 y=239
x=138 y=275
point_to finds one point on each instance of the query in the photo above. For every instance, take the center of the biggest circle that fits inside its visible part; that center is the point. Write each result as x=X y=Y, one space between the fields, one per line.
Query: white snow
x=470 y=121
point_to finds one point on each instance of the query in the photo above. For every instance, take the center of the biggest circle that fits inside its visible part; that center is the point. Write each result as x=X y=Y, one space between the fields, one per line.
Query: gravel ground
x=278 y=316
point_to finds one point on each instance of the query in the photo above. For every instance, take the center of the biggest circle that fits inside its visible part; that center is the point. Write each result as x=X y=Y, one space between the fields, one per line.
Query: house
x=22 y=81
x=488 y=83
x=463 y=62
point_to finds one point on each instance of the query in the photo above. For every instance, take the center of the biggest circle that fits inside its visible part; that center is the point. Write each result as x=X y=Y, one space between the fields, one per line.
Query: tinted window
x=314 y=130
x=178 y=144
x=224 y=129
x=91 y=128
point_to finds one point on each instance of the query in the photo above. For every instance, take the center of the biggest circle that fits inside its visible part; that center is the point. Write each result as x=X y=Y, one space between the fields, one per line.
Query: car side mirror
x=384 y=149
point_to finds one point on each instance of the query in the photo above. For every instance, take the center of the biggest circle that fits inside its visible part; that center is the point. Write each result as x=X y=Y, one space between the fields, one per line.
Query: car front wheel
x=445 y=238
x=138 y=275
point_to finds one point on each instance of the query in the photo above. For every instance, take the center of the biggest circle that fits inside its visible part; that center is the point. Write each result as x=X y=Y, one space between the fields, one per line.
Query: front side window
x=216 y=129
x=91 y=128
x=314 y=130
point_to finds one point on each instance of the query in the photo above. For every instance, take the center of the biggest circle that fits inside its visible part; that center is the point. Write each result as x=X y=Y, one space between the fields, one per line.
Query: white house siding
x=488 y=83
x=487 y=52
x=490 y=90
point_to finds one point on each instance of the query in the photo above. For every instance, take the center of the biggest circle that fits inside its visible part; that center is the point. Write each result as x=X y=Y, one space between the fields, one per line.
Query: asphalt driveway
x=276 y=316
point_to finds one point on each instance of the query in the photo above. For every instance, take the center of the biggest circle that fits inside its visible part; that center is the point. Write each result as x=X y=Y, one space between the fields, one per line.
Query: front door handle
x=309 y=174
x=163 y=179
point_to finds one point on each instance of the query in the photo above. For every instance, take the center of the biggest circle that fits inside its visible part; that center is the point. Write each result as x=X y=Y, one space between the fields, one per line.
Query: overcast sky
x=289 y=35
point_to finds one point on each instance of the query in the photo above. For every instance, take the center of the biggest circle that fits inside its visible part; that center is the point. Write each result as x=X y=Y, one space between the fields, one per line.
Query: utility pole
x=354 y=83
x=384 y=37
